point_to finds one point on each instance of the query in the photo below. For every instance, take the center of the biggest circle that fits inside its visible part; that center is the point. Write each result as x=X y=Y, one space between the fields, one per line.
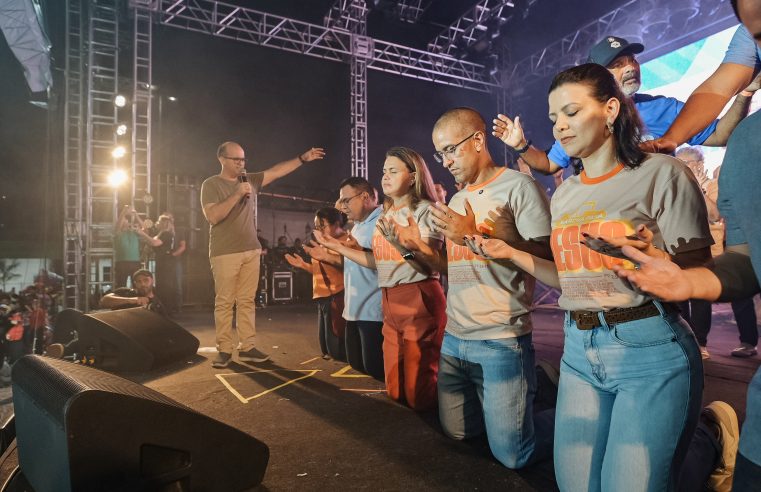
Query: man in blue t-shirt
x=657 y=112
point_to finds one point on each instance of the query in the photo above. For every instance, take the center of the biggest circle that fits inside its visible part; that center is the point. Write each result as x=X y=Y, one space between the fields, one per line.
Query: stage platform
x=329 y=428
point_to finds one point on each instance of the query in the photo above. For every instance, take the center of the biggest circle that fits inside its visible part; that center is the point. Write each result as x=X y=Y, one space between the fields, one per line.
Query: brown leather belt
x=586 y=320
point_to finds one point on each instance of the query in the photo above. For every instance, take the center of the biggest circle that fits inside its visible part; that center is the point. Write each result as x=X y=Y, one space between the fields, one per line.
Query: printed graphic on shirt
x=587 y=275
x=392 y=269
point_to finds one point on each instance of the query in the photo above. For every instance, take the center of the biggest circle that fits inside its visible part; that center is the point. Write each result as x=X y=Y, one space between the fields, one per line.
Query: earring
x=609 y=125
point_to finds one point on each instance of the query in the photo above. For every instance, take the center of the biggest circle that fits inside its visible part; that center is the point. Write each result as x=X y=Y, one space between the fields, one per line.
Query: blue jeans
x=628 y=403
x=490 y=385
x=748 y=467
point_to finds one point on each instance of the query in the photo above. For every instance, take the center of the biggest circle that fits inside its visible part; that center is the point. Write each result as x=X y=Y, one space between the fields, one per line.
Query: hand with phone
x=642 y=239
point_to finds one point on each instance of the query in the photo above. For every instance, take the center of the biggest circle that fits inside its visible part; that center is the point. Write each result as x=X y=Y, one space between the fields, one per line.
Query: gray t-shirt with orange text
x=491 y=299
x=661 y=193
x=392 y=269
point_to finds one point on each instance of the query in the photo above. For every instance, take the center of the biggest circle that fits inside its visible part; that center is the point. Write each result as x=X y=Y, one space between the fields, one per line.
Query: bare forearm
x=429 y=258
x=111 y=301
x=734 y=115
x=707 y=101
x=217 y=212
x=537 y=159
x=543 y=270
x=281 y=169
x=359 y=256
x=180 y=249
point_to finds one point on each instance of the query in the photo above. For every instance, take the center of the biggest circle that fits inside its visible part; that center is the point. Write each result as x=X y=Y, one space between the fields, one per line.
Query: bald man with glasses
x=229 y=204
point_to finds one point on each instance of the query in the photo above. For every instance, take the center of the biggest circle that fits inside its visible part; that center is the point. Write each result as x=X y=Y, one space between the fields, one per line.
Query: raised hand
x=297 y=261
x=312 y=154
x=655 y=276
x=317 y=252
x=509 y=131
x=453 y=225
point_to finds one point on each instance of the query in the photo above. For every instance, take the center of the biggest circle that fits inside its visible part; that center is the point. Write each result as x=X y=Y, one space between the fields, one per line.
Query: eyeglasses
x=236 y=159
x=345 y=201
x=448 y=151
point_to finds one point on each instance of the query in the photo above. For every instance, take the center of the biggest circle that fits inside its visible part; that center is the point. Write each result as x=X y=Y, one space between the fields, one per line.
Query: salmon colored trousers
x=414 y=318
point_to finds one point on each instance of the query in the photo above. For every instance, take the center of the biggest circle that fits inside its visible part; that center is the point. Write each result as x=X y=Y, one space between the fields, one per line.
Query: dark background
x=276 y=104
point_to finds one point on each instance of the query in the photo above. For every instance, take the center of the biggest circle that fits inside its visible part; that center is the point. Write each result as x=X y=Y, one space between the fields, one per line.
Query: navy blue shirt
x=739 y=185
x=657 y=113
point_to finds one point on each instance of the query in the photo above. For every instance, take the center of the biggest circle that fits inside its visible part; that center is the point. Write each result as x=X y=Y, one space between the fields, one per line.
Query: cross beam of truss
x=470 y=27
x=247 y=25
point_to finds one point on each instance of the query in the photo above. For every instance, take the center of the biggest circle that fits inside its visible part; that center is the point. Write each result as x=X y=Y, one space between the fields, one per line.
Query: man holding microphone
x=229 y=204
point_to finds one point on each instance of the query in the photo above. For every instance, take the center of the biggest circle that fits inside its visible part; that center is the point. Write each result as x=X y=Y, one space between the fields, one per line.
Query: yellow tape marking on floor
x=341 y=373
x=364 y=390
x=243 y=399
x=308 y=361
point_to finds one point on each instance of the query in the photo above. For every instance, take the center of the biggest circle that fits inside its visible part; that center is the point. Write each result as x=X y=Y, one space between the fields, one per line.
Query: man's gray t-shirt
x=236 y=232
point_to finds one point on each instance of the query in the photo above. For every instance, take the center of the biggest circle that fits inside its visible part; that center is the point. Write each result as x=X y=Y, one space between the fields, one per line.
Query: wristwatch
x=409 y=255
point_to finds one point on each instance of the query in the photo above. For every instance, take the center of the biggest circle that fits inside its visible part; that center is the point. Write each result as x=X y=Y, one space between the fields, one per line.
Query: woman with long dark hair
x=631 y=376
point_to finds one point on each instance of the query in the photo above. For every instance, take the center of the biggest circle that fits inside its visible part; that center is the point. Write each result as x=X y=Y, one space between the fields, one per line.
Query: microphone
x=243 y=178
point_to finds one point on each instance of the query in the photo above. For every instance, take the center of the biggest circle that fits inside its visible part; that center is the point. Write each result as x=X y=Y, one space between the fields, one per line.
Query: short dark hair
x=627 y=129
x=141 y=273
x=332 y=215
x=359 y=183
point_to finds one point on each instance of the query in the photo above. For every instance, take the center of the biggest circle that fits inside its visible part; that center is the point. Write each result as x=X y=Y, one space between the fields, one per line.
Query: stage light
x=119 y=151
x=120 y=101
x=117 y=177
x=172 y=98
x=121 y=129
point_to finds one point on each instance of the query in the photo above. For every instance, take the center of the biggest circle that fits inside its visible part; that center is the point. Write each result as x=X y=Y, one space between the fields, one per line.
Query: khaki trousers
x=236 y=277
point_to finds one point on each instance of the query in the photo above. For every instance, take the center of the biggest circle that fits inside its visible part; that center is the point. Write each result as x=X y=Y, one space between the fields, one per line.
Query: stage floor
x=329 y=428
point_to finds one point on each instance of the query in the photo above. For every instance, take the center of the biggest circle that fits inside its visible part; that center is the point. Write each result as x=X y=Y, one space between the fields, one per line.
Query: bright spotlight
x=117 y=178
x=118 y=152
x=120 y=101
x=121 y=129
x=172 y=98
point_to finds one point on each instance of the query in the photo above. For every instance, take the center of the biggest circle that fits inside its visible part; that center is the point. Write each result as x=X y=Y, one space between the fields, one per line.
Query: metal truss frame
x=142 y=100
x=251 y=26
x=73 y=114
x=470 y=27
x=351 y=15
x=409 y=10
x=635 y=20
x=101 y=118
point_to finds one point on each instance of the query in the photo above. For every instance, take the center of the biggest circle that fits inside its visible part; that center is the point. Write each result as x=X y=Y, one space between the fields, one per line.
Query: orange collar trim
x=599 y=179
x=475 y=187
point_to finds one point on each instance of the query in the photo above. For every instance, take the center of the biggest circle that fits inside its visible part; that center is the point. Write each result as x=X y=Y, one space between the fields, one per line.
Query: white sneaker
x=725 y=418
x=744 y=350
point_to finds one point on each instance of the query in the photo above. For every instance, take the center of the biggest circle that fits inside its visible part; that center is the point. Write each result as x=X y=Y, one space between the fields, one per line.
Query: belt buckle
x=587 y=321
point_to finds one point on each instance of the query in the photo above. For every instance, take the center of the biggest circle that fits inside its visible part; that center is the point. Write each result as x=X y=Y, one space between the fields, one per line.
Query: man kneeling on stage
x=143 y=294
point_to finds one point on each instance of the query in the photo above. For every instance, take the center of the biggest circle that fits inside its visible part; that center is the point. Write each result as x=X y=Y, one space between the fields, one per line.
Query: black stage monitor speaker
x=81 y=429
x=129 y=340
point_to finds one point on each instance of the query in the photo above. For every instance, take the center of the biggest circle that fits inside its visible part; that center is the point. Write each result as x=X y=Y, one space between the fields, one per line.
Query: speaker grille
x=56 y=381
